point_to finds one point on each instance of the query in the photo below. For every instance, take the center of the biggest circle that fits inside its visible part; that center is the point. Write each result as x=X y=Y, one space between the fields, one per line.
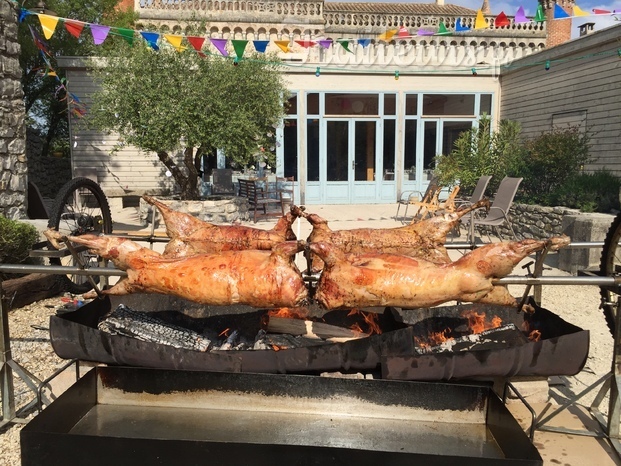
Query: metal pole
x=6 y=374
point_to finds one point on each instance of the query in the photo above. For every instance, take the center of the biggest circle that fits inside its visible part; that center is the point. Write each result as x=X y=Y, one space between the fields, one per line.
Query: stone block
x=585 y=227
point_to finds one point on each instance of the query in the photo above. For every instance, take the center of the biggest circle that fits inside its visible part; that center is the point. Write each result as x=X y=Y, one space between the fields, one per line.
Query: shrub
x=16 y=240
x=589 y=192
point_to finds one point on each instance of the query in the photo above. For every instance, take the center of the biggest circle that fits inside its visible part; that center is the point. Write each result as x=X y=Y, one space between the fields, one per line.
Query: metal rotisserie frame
x=562 y=351
x=129 y=416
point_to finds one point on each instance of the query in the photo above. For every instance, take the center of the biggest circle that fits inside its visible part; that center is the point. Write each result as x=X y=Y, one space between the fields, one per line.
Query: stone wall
x=13 y=167
x=214 y=209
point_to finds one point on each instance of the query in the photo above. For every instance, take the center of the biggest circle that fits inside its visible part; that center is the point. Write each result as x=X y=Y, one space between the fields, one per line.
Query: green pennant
x=127 y=34
x=540 y=16
x=239 y=46
x=345 y=44
x=442 y=30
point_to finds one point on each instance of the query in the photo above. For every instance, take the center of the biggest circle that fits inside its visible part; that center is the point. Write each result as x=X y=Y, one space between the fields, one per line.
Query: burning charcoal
x=504 y=336
x=230 y=342
x=127 y=322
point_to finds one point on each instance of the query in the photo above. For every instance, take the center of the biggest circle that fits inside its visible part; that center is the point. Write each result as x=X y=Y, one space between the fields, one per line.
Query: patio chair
x=498 y=213
x=422 y=201
x=477 y=194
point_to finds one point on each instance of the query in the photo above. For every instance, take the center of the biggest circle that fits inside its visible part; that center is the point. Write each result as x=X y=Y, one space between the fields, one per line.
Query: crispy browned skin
x=190 y=236
x=252 y=277
x=424 y=239
x=371 y=279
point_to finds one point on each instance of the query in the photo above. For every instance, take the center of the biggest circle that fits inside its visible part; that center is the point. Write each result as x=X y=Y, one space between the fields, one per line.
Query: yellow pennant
x=579 y=12
x=387 y=35
x=48 y=24
x=480 y=22
x=283 y=45
x=175 y=41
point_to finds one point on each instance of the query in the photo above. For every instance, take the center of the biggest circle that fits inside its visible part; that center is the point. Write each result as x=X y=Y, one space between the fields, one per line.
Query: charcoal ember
x=230 y=342
x=145 y=327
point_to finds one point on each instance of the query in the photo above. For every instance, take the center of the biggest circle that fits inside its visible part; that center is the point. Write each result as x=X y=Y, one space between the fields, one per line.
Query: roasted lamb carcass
x=372 y=279
x=190 y=236
x=252 y=277
x=424 y=239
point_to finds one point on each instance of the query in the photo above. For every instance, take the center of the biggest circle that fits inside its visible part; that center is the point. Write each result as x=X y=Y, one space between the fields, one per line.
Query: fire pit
x=401 y=351
x=129 y=416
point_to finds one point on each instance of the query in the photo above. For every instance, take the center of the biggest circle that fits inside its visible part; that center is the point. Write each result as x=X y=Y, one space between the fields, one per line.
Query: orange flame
x=371 y=320
x=287 y=313
x=224 y=332
x=477 y=322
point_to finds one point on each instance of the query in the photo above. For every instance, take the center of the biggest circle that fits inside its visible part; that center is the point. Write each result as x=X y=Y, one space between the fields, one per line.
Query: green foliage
x=168 y=101
x=589 y=192
x=480 y=152
x=16 y=240
x=551 y=159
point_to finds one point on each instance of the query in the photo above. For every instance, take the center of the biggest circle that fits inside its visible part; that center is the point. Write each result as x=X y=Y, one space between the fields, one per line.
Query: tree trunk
x=188 y=189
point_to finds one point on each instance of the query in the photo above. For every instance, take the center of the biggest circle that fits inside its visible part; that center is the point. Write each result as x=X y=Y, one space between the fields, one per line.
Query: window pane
x=389 y=149
x=365 y=151
x=448 y=104
x=452 y=131
x=312 y=150
x=390 y=104
x=312 y=104
x=409 y=157
x=352 y=104
x=411 y=104
x=486 y=104
x=293 y=105
x=429 y=149
x=337 y=154
x=290 y=148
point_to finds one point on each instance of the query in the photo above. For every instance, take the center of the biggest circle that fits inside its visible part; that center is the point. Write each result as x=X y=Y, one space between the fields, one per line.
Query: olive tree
x=168 y=102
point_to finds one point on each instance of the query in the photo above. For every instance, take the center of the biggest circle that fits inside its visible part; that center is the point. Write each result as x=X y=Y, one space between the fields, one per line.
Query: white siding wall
x=578 y=80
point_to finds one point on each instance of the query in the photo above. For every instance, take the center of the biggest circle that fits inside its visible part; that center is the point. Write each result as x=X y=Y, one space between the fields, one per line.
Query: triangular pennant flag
x=260 y=45
x=459 y=27
x=283 y=45
x=151 y=38
x=480 y=22
x=48 y=24
x=74 y=27
x=579 y=12
x=501 y=20
x=239 y=46
x=325 y=43
x=127 y=34
x=175 y=41
x=386 y=36
x=540 y=16
x=442 y=30
x=559 y=13
x=99 y=33
x=22 y=15
x=220 y=44
x=597 y=11
x=306 y=43
x=364 y=42
x=403 y=32
x=345 y=44
x=424 y=32
x=197 y=43
x=520 y=16
x=38 y=41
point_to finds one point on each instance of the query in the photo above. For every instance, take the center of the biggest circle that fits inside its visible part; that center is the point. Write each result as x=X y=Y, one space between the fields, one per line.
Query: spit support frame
x=611 y=425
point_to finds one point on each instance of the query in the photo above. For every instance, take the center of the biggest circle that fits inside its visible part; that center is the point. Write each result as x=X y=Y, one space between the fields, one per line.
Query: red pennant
x=597 y=11
x=501 y=20
x=197 y=43
x=306 y=43
x=74 y=27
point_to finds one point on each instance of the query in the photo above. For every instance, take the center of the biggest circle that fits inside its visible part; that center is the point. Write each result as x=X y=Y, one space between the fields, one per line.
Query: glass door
x=339 y=162
x=366 y=164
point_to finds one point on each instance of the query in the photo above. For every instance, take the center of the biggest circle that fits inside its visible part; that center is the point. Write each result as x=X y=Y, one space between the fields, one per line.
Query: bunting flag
x=597 y=11
x=38 y=41
x=48 y=24
x=175 y=41
x=325 y=43
x=197 y=43
x=306 y=43
x=127 y=34
x=260 y=45
x=386 y=36
x=501 y=20
x=480 y=22
x=74 y=27
x=220 y=44
x=99 y=33
x=22 y=15
x=520 y=16
x=424 y=32
x=403 y=32
x=442 y=30
x=460 y=27
x=239 y=46
x=345 y=44
x=283 y=45
x=364 y=42
x=540 y=16
x=559 y=13
x=579 y=12
x=151 y=38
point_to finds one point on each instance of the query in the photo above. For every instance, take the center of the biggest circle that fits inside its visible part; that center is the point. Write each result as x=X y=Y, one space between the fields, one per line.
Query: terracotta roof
x=397 y=8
